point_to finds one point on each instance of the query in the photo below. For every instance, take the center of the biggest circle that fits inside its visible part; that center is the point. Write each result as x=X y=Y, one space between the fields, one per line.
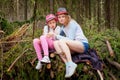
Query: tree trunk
x=34 y=17
x=25 y=10
x=107 y=12
x=98 y=14
x=51 y=6
x=17 y=7
x=118 y=22
x=89 y=9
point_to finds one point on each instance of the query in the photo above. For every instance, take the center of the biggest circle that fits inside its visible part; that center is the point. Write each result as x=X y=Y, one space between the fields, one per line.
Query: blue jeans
x=86 y=46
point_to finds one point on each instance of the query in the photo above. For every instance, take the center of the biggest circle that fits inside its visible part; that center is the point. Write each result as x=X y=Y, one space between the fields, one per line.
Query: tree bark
x=17 y=13
x=107 y=12
x=110 y=48
x=113 y=77
x=98 y=14
x=25 y=10
x=51 y=6
x=117 y=65
x=34 y=17
x=118 y=22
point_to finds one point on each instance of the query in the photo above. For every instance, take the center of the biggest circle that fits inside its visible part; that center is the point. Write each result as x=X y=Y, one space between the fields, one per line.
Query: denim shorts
x=86 y=46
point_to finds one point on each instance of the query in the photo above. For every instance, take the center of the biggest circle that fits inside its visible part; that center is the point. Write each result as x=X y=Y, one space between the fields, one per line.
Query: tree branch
x=117 y=65
x=110 y=48
x=101 y=77
x=16 y=60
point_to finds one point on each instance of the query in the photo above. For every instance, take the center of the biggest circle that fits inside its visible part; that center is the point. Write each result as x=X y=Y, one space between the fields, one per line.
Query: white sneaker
x=39 y=65
x=70 y=69
x=67 y=72
x=45 y=59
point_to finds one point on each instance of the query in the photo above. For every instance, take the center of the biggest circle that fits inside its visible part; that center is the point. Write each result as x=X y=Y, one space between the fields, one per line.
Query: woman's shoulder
x=73 y=22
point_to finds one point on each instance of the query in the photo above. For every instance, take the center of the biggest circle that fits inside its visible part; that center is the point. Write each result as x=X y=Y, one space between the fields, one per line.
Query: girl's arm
x=45 y=30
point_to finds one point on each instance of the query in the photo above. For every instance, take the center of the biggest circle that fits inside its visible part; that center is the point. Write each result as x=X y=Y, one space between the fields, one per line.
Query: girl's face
x=61 y=18
x=52 y=23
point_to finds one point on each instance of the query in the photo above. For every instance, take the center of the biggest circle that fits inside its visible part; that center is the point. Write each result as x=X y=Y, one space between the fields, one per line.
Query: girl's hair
x=49 y=17
x=49 y=27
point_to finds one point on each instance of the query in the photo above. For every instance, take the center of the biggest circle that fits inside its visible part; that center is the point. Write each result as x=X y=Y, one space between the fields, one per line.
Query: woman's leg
x=59 y=51
x=75 y=46
x=65 y=50
x=37 y=47
x=70 y=45
x=62 y=55
x=66 y=46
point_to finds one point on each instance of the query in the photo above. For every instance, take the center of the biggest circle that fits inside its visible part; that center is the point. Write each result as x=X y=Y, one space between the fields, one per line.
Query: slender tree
x=118 y=21
x=34 y=17
x=25 y=10
x=17 y=7
x=107 y=13
x=51 y=6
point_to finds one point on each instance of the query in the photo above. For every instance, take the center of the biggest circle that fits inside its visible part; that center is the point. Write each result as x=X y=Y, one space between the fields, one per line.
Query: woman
x=72 y=39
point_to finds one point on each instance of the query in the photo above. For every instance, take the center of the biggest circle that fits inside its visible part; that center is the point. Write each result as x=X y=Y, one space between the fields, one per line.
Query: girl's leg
x=45 y=48
x=37 y=47
x=50 y=43
x=36 y=44
x=44 y=45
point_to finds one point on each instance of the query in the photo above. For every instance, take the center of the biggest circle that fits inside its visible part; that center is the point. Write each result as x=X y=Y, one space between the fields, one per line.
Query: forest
x=23 y=20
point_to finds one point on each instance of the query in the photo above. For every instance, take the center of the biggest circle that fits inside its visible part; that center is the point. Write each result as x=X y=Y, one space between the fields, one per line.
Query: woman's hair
x=63 y=10
x=67 y=19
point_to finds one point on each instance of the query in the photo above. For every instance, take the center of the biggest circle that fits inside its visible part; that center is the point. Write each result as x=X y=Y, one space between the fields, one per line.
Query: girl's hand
x=50 y=34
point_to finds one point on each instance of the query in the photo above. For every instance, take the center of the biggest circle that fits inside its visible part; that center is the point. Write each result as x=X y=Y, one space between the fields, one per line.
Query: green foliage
x=97 y=40
x=2 y=14
x=96 y=33
x=6 y=26
x=24 y=70
x=9 y=27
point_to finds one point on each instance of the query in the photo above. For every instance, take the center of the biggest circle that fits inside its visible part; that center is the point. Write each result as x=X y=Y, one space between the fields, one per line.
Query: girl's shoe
x=39 y=65
x=45 y=59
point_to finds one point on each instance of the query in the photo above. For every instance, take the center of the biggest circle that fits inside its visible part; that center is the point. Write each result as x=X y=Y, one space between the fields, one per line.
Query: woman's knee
x=55 y=43
x=62 y=41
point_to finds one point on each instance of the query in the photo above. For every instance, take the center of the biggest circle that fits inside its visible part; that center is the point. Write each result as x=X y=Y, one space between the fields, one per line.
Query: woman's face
x=52 y=23
x=61 y=18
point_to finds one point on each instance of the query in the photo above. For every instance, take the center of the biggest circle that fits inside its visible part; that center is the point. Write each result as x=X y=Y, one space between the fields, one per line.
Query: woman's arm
x=69 y=30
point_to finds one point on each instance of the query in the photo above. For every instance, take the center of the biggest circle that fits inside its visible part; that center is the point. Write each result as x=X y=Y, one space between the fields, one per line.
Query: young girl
x=45 y=42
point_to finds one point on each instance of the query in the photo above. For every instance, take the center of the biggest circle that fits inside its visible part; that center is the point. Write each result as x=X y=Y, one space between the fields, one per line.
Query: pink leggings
x=42 y=44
